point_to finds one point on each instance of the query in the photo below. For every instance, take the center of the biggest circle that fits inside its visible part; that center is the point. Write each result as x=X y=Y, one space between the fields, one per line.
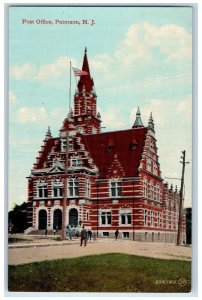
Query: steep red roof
x=105 y=147
x=86 y=81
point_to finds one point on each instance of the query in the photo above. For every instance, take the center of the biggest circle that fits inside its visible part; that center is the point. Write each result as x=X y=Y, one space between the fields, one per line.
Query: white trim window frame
x=42 y=190
x=151 y=218
x=105 y=218
x=57 y=189
x=76 y=161
x=145 y=188
x=125 y=218
x=115 y=188
x=145 y=217
x=87 y=190
x=73 y=187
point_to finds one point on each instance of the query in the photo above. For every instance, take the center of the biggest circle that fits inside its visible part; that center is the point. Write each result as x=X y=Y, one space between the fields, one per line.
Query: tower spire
x=138 y=121
x=151 y=122
x=85 y=82
x=48 y=134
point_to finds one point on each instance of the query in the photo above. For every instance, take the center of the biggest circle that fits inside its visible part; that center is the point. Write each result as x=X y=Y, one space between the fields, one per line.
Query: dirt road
x=27 y=252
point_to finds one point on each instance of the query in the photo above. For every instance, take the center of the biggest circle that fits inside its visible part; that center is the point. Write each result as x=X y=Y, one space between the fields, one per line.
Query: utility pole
x=180 y=219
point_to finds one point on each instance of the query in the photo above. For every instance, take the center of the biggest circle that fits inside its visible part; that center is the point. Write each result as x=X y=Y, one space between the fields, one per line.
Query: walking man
x=83 y=236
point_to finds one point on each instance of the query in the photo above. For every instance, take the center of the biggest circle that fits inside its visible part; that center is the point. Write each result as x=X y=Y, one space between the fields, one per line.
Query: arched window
x=42 y=217
x=57 y=219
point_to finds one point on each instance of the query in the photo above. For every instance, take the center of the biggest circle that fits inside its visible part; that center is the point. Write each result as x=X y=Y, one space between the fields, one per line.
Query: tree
x=18 y=217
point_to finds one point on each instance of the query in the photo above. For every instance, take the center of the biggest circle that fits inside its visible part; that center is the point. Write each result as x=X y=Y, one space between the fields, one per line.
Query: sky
x=138 y=56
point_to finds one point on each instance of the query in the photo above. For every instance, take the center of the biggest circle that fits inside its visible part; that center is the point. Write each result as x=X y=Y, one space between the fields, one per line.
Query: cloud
x=112 y=119
x=12 y=98
x=31 y=115
x=44 y=73
x=24 y=72
x=141 y=39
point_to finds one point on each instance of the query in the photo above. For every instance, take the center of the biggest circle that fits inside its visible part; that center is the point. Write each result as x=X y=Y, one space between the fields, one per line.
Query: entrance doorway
x=73 y=217
x=42 y=219
x=57 y=219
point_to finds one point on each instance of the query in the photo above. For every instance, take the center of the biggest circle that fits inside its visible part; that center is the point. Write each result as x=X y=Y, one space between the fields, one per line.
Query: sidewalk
x=46 y=249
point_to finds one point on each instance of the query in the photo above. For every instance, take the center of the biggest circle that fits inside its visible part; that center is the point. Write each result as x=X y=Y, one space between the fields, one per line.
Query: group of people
x=87 y=235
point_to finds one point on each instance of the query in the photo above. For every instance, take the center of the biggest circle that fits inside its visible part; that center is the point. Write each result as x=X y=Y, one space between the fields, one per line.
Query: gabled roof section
x=129 y=158
x=49 y=145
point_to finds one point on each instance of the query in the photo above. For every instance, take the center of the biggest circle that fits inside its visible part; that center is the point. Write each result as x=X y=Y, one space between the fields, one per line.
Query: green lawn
x=12 y=240
x=102 y=273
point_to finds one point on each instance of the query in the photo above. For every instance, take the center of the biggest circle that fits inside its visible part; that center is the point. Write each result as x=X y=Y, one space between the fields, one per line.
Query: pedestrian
x=89 y=234
x=83 y=236
x=54 y=231
x=116 y=234
x=46 y=232
x=94 y=236
x=77 y=233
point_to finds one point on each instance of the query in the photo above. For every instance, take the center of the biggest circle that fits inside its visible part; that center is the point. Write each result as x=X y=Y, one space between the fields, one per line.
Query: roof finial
x=48 y=134
x=138 y=121
x=85 y=50
x=151 y=123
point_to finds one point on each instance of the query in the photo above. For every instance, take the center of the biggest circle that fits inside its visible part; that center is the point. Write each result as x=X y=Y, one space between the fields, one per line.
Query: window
x=76 y=161
x=63 y=144
x=87 y=188
x=125 y=218
x=42 y=190
x=157 y=193
x=87 y=215
x=73 y=187
x=158 y=219
x=148 y=165
x=57 y=189
x=145 y=188
x=116 y=188
x=105 y=234
x=151 y=217
x=145 y=217
x=126 y=235
x=105 y=218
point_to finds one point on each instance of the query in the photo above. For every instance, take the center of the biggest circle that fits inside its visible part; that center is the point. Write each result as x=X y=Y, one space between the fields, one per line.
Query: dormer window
x=76 y=161
x=133 y=144
x=63 y=144
x=110 y=145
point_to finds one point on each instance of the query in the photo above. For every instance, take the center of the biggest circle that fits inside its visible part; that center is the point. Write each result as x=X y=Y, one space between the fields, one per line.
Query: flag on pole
x=78 y=72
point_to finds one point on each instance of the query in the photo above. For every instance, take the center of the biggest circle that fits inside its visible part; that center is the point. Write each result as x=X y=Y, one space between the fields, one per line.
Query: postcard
x=100 y=149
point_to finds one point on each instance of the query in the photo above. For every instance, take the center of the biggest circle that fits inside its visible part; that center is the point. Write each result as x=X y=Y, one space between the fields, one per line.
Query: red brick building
x=113 y=179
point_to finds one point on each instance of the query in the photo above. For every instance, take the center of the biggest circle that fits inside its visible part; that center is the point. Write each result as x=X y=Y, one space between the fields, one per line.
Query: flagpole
x=70 y=85
x=66 y=166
